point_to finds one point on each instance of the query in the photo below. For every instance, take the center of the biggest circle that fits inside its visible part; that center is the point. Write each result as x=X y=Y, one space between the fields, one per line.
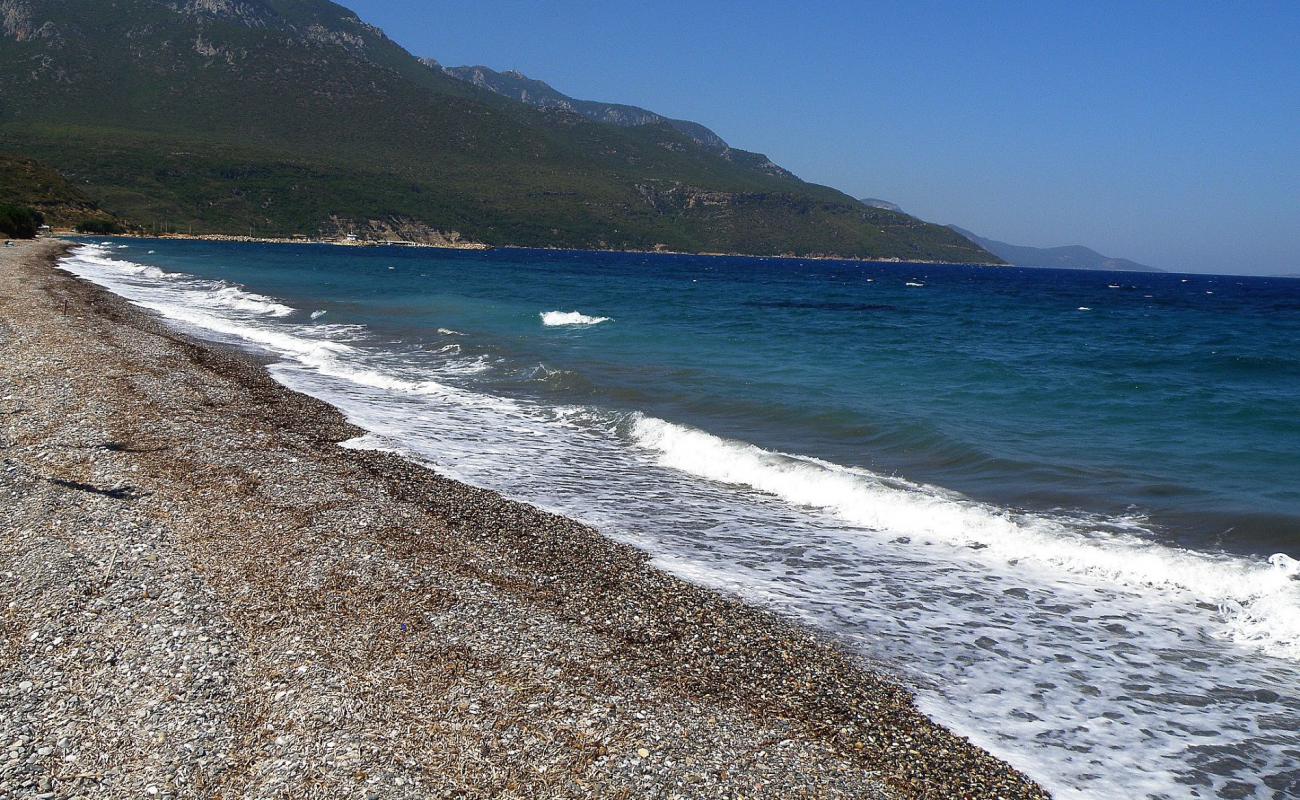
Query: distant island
x=268 y=120
x=1065 y=257
x=1073 y=256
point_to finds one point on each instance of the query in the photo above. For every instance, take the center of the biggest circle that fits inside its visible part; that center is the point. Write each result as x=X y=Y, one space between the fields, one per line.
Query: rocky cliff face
x=876 y=202
x=395 y=229
x=245 y=12
x=18 y=23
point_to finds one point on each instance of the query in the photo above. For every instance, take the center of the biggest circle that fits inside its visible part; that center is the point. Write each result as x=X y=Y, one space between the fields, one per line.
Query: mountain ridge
x=539 y=94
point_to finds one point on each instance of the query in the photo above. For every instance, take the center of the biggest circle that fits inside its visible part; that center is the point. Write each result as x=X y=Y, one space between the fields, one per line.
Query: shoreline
x=481 y=247
x=519 y=650
x=226 y=237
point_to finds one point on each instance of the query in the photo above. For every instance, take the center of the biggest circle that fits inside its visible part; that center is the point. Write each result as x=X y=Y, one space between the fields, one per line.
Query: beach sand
x=205 y=596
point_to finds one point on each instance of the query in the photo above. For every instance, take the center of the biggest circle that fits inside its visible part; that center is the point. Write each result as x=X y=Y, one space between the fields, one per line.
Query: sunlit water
x=1058 y=504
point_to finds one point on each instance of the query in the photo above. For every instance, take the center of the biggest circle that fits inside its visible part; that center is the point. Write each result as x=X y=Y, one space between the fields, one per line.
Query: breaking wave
x=1259 y=603
x=559 y=318
x=92 y=261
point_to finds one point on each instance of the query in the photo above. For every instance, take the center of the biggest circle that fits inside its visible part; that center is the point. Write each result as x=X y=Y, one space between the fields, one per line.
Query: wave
x=558 y=318
x=240 y=300
x=321 y=348
x=213 y=295
x=1259 y=604
x=92 y=255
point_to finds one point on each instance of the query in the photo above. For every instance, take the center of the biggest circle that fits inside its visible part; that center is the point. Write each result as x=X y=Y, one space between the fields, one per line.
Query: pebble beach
x=206 y=596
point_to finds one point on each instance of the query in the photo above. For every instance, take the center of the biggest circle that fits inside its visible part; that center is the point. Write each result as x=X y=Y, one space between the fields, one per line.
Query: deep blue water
x=1091 y=469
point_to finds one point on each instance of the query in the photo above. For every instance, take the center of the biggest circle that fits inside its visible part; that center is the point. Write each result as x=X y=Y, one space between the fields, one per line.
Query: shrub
x=100 y=227
x=19 y=222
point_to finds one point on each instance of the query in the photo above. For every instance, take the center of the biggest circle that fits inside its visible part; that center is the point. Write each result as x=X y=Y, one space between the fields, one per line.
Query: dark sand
x=205 y=596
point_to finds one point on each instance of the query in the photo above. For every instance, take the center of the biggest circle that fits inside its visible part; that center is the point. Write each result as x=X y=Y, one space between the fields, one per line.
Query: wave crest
x=559 y=318
x=212 y=295
x=1259 y=604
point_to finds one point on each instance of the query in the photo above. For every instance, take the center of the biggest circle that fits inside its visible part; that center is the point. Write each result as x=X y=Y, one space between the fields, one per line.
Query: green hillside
x=282 y=115
x=30 y=184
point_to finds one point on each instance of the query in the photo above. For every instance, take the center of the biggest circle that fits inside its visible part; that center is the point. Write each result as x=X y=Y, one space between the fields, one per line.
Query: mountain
x=295 y=116
x=1067 y=257
x=538 y=94
x=878 y=203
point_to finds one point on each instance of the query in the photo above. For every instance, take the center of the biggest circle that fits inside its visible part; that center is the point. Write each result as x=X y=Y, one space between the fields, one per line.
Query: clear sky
x=1165 y=132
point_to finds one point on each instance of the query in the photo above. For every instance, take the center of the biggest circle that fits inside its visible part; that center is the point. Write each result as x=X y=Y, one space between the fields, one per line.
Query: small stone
x=644 y=753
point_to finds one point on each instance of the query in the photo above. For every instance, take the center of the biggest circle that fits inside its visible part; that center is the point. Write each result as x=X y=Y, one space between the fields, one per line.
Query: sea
x=1062 y=506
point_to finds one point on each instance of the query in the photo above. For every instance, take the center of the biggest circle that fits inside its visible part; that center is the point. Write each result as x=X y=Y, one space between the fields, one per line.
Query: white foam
x=558 y=318
x=318 y=314
x=93 y=262
x=233 y=297
x=93 y=256
x=1260 y=606
x=913 y=283
x=1285 y=564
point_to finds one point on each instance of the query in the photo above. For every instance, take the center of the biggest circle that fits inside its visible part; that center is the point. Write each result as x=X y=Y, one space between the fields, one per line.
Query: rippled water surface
x=1059 y=504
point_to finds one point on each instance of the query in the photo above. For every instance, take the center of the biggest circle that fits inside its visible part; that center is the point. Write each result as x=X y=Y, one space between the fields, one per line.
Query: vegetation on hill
x=278 y=116
x=100 y=227
x=31 y=184
x=19 y=222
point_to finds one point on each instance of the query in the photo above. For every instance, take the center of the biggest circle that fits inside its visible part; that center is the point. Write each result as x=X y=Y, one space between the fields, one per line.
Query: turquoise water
x=1047 y=499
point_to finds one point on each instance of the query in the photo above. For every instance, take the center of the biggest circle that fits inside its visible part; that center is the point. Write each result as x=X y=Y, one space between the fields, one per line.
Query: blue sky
x=1164 y=132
